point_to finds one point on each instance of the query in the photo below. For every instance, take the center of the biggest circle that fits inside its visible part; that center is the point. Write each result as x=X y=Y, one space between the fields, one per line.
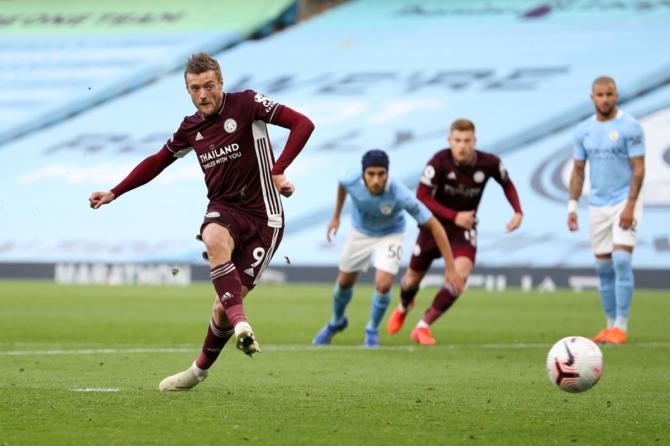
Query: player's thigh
x=357 y=252
x=601 y=228
x=258 y=244
x=463 y=244
x=383 y=281
x=463 y=266
x=388 y=253
x=627 y=237
x=425 y=250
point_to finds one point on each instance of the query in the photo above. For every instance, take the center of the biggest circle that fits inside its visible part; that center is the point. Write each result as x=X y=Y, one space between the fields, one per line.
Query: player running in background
x=378 y=224
x=244 y=222
x=451 y=187
x=613 y=143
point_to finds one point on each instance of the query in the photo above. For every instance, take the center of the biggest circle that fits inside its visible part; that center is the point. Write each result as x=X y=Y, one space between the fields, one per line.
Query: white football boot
x=185 y=380
x=245 y=340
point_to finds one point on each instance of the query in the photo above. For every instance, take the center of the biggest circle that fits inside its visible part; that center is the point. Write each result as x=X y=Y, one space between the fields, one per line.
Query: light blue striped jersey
x=608 y=145
x=377 y=215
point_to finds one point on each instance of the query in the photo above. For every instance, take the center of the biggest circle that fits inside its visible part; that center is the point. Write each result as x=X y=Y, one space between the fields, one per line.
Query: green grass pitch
x=484 y=383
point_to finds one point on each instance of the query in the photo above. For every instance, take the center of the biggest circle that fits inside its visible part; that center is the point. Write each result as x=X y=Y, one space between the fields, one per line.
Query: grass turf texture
x=485 y=382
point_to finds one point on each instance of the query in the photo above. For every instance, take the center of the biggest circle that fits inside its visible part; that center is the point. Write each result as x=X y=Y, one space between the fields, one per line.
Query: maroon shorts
x=463 y=243
x=255 y=241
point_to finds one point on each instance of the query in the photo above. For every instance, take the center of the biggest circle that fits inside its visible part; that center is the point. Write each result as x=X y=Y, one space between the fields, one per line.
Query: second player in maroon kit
x=451 y=186
x=244 y=221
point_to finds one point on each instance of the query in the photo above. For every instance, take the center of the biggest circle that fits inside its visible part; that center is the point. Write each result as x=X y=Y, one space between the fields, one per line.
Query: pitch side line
x=304 y=348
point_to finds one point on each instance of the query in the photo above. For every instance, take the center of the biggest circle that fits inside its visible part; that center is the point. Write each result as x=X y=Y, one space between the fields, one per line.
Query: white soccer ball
x=575 y=364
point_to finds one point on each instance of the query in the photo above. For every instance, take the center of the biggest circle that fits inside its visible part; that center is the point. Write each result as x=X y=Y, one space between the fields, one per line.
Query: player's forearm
x=441 y=240
x=512 y=196
x=339 y=202
x=636 y=180
x=576 y=183
x=425 y=195
x=301 y=128
x=144 y=172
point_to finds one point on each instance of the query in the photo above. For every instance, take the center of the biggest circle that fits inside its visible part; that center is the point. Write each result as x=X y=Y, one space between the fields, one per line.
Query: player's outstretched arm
x=144 y=172
x=575 y=191
x=334 y=224
x=451 y=276
x=513 y=198
x=627 y=215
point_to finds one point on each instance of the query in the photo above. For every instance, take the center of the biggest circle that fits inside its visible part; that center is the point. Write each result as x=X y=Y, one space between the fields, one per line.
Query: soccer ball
x=574 y=364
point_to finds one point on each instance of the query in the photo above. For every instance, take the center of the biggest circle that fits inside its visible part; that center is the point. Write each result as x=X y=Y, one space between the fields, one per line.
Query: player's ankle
x=242 y=326
x=200 y=373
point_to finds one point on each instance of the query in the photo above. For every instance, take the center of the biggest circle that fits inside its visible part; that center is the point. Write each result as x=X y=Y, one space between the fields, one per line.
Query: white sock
x=198 y=371
x=610 y=322
x=621 y=323
x=402 y=308
x=422 y=324
x=242 y=326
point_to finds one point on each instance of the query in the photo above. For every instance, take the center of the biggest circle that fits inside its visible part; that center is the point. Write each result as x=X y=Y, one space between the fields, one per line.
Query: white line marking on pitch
x=301 y=348
x=96 y=389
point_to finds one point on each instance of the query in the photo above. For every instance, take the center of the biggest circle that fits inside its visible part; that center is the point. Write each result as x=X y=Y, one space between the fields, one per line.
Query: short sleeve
x=179 y=145
x=412 y=205
x=430 y=173
x=578 y=151
x=349 y=177
x=635 y=140
x=264 y=108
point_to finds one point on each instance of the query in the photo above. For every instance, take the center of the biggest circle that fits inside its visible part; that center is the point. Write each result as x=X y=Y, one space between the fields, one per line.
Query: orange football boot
x=616 y=336
x=397 y=319
x=601 y=336
x=423 y=336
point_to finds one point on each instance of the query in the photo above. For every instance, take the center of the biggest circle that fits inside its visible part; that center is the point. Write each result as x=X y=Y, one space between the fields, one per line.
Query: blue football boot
x=371 y=339
x=328 y=331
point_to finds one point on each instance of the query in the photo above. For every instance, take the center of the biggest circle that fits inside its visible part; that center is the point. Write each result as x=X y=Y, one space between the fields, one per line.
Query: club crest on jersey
x=614 y=135
x=230 y=125
x=385 y=209
x=479 y=176
x=266 y=102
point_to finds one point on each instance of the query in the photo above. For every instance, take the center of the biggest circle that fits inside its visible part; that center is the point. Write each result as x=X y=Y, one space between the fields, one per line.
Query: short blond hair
x=463 y=125
x=199 y=63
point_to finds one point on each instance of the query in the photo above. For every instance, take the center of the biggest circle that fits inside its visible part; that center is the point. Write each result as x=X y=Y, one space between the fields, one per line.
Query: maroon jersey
x=234 y=152
x=457 y=186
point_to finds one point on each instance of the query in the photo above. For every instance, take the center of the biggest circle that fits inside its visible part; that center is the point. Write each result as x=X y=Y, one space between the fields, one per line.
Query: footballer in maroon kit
x=451 y=187
x=244 y=222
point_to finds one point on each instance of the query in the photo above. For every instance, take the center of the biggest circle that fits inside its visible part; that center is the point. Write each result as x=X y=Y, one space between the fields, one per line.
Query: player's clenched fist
x=97 y=199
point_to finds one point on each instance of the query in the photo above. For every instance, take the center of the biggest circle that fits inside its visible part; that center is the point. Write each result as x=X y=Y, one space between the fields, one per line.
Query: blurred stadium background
x=90 y=89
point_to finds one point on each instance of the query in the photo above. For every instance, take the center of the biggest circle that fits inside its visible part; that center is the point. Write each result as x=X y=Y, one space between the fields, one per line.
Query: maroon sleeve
x=301 y=128
x=263 y=108
x=502 y=177
x=512 y=196
x=425 y=195
x=145 y=171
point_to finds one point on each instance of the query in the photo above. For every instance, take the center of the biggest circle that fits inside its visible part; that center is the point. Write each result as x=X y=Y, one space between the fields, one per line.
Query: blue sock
x=341 y=298
x=624 y=282
x=378 y=306
x=605 y=269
